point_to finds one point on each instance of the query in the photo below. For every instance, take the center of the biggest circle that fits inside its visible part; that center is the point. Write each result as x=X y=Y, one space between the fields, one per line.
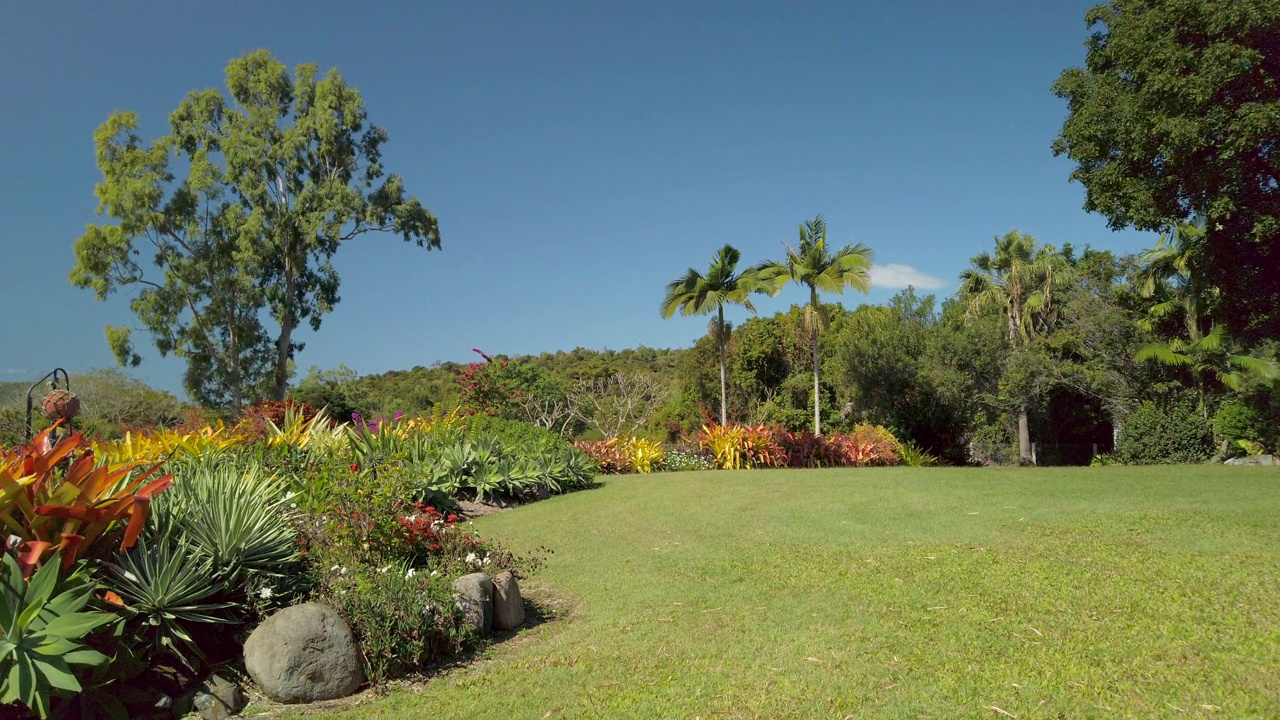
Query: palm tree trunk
x=1024 y=437
x=723 y=342
x=817 y=422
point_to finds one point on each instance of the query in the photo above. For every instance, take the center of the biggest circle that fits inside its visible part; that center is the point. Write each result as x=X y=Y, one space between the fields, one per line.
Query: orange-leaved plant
x=50 y=509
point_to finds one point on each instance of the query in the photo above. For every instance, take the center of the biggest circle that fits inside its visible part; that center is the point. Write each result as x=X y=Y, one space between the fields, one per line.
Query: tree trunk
x=723 y=342
x=817 y=422
x=1024 y=438
x=285 y=342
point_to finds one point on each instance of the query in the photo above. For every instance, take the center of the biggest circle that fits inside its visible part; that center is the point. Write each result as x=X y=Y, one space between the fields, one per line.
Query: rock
x=219 y=699
x=1254 y=460
x=302 y=654
x=475 y=593
x=508 y=607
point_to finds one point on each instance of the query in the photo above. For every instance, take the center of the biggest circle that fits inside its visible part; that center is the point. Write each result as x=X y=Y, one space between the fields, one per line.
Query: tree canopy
x=240 y=209
x=1176 y=113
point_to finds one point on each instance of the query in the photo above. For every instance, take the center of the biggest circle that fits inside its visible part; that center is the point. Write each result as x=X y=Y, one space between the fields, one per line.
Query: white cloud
x=897 y=277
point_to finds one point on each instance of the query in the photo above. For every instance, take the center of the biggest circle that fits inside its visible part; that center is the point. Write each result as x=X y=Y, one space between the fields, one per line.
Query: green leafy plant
x=44 y=624
x=915 y=456
x=1155 y=434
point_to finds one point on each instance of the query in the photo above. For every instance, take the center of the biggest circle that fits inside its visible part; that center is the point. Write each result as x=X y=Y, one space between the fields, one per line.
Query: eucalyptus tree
x=819 y=269
x=240 y=208
x=696 y=293
x=1018 y=280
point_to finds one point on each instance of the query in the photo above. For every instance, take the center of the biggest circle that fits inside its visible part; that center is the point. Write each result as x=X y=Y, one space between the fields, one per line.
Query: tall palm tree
x=814 y=266
x=1018 y=279
x=1168 y=276
x=699 y=294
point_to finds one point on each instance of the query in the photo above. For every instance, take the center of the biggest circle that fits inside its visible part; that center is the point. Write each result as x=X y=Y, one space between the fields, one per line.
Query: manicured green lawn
x=892 y=593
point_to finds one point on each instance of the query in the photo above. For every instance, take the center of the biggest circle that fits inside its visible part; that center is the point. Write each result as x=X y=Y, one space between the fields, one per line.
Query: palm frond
x=1163 y=354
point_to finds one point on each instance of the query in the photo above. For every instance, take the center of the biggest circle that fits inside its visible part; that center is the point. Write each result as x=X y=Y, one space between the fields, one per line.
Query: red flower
x=355 y=467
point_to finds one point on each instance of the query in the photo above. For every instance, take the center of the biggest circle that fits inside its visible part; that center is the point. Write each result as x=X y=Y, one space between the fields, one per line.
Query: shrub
x=402 y=618
x=1236 y=421
x=864 y=445
x=737 y=447
x=1155 y=434
x=511 y=433
x=646 y=455
x=610 y=456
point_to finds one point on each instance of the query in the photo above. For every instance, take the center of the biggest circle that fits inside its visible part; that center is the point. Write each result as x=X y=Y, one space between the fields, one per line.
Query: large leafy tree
x=1018 y=279
x=1176 y=113
x=697 y=293
x=241 y=208
x=812 y=264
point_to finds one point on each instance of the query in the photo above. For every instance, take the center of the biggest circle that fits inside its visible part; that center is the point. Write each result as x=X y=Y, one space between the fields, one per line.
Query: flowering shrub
x=680 y=460
x=492 y=388
x=402 y=618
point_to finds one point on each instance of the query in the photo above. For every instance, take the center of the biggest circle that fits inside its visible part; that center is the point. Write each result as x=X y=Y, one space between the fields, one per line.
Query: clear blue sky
x=579 y=155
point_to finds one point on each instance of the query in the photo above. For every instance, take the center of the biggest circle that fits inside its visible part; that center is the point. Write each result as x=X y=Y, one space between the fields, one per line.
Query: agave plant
x=240 y=519
x=166 y=585
x=44 y=624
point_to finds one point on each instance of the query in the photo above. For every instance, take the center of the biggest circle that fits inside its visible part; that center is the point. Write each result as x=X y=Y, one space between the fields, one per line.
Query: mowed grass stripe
x=892 y=593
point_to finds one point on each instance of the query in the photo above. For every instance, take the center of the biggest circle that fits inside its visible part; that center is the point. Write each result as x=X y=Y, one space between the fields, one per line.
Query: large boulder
x=508 y=607
x=475 y=594
x=302 y=654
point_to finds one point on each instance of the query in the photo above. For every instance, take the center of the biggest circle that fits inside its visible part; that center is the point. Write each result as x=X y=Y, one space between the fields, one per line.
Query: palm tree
x=1168 y=276
x=698 y=294
x=813 y=265
x=1018 y=279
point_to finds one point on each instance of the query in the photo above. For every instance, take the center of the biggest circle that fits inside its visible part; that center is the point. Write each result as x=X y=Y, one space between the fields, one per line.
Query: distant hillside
x=12 y=393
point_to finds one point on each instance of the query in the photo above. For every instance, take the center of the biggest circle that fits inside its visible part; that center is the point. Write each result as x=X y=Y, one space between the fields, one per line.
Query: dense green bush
x=512 y=433
x=1159 y=434
x=1237 y=421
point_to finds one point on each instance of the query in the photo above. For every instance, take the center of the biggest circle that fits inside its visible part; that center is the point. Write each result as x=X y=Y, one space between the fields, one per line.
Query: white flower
x=471 y=559
x=343 y=571
x=130 y=576
x=435 y=573
x=486 y=560
x=384 y=568
x=266 y=593
x=410 y=573
x=334 y=568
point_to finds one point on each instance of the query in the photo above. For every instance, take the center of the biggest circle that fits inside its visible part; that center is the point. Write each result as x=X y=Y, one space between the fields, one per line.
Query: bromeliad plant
x=57 y=499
